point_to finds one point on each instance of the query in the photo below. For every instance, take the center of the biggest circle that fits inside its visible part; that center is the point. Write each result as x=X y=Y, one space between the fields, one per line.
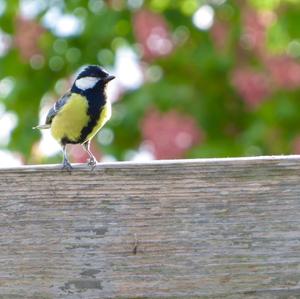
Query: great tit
x=79 y=114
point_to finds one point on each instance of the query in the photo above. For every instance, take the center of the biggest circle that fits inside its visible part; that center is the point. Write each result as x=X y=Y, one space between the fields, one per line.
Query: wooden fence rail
x=212 y=228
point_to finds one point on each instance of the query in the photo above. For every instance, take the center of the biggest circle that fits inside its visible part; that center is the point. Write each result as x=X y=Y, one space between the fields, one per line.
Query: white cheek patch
x=86 y=82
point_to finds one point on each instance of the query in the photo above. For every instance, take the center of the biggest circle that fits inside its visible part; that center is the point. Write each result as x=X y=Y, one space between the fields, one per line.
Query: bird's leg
x=66 y=163
x=92 y=160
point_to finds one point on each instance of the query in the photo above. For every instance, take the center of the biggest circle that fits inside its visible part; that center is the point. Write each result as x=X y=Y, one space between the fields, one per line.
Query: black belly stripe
x=94 y=117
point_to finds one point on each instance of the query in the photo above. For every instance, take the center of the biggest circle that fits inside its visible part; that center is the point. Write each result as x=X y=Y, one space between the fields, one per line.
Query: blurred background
x=195 y=78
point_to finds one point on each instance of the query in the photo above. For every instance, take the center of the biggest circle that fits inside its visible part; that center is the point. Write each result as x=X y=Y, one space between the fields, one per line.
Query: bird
x=81 y=112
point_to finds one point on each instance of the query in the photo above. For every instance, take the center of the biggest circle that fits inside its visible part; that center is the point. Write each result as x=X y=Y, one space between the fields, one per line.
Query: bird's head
x=91 y=76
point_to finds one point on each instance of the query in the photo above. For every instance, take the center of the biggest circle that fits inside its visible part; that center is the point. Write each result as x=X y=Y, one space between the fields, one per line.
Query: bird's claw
x=92 y=163
x=67 y=166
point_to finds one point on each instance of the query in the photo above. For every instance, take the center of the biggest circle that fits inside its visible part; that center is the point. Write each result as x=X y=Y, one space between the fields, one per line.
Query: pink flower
x=285 y=71
x=220 y=33
x=171 y=134
x=151 y=31
x=27 y=35
x=256 y=24
x=252 y=86
x=254 y=31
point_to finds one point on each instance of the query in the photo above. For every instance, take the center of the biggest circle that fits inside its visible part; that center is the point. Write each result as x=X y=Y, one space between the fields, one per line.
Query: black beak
x=109 y=78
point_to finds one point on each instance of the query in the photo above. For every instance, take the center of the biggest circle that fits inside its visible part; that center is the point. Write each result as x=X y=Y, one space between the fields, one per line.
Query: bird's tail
x=41 y=127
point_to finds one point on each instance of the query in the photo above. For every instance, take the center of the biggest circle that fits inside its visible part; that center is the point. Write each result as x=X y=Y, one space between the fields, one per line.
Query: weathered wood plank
x=217 y=228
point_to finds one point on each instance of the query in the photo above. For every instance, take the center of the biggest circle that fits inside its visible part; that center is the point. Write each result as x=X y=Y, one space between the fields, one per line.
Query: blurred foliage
x=228 y=89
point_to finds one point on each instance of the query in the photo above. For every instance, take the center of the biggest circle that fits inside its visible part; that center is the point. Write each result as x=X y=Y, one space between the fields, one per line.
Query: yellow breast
x=70 y=120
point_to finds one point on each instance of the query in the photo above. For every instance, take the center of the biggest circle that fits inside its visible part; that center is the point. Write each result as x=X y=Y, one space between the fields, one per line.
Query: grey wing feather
x=53 y=111
x=56 y=107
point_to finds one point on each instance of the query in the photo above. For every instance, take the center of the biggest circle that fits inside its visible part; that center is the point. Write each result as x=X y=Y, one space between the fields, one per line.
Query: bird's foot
x=67 y=166
x=92 y=162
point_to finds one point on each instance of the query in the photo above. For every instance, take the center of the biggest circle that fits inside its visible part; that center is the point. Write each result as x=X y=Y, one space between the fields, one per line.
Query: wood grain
x=216 y=228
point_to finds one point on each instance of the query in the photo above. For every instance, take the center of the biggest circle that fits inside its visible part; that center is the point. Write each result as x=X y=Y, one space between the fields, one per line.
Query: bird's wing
x=56 y=107
x=54 y=110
